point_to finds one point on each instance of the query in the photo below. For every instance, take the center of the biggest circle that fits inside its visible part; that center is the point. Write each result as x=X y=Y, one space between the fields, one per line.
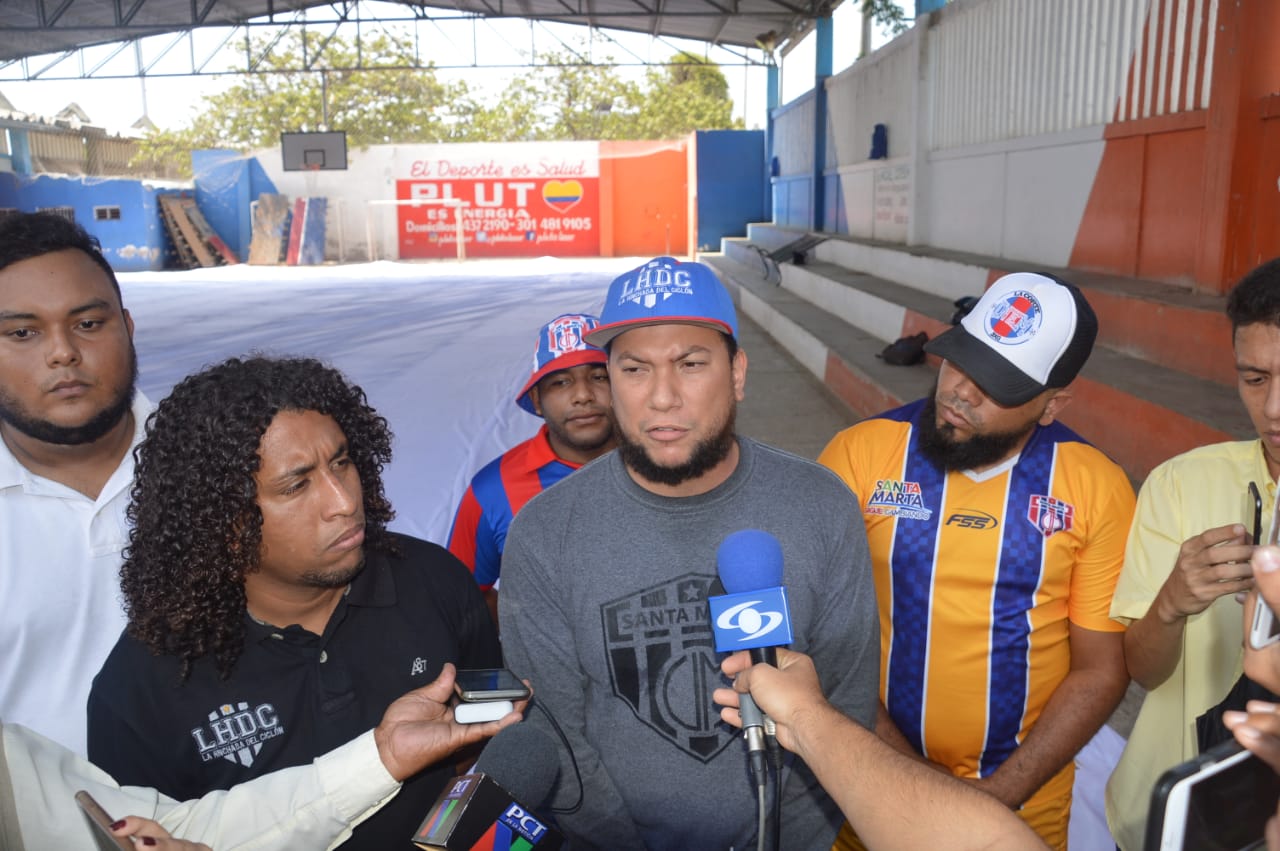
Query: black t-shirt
x=294 y=695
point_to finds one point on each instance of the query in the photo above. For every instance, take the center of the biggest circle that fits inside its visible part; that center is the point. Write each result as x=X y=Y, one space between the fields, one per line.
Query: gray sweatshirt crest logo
x=662 y=662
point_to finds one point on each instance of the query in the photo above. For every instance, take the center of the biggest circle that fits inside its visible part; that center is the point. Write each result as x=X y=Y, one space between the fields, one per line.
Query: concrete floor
x=786 y=405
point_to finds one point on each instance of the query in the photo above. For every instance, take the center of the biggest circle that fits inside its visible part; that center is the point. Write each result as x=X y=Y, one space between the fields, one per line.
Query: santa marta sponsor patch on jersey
x=896 y=498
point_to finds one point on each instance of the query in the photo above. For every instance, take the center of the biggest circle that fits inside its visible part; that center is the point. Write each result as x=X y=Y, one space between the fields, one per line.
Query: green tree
x=567 y=97
x=570 y=98
x=387 y=101
x=689 y=94
x=886 y=13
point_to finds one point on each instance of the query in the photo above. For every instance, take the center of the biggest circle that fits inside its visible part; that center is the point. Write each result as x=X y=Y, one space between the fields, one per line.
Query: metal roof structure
x=59 y=28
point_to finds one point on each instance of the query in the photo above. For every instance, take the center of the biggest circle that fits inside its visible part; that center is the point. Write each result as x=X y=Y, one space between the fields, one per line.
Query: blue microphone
x=752 y=616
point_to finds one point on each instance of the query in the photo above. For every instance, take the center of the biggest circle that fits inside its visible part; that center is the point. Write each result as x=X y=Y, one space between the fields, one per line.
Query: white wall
x=875 y=90
x=995 y=111
x=1022 y=199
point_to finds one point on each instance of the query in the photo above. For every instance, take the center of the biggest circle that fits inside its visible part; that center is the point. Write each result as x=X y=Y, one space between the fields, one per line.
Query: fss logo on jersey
x=972 y=518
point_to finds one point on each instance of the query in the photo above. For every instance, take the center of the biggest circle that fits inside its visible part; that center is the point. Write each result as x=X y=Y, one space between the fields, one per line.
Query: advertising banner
x=515 y=200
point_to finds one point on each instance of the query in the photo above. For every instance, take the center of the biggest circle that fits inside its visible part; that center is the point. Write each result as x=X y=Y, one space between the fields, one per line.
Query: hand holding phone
x=487 y=694
x=97 y=816
x=481 y=685
x=1264 y=629
x=1219 y=799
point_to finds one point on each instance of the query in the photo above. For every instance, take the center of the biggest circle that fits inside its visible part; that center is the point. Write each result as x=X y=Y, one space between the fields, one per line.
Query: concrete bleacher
x=1161 y=379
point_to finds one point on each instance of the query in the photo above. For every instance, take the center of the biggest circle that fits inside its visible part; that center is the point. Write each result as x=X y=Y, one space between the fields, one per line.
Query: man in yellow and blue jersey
x=996 y=535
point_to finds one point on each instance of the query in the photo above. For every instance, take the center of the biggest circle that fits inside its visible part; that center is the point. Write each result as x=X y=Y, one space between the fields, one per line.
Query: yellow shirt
x=1198 y=490
x=977 y=578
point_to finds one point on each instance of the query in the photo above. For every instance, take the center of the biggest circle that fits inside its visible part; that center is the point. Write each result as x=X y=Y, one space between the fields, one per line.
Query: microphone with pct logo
x=753 y=616
x=491 y=809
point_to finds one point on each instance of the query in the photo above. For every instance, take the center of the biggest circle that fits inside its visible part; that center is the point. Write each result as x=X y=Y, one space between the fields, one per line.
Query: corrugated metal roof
x=36 y=27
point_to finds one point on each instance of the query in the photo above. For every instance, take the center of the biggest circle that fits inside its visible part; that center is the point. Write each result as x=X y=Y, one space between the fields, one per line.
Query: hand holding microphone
x=790 y=693
x=753 y=614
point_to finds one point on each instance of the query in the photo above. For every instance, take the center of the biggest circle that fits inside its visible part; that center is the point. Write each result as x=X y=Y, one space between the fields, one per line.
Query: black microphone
x=492 y=808
x=754 y=615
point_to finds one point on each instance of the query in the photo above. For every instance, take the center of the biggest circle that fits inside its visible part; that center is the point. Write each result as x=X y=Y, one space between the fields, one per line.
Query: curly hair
x=197 y=528
x=29 y=235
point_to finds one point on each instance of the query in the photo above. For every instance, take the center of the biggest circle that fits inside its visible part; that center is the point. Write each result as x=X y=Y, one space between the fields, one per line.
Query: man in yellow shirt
x=996 y=535
x=1188 y=555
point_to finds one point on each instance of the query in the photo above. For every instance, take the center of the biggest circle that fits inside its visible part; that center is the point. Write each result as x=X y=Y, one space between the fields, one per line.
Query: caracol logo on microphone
x=748 y=620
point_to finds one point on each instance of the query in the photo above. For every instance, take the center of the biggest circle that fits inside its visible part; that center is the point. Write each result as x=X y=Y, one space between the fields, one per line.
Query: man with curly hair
x=69 y=418
x=271 y=614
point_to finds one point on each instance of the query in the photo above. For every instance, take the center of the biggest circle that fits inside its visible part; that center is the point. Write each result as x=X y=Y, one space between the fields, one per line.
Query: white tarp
x=440 y=349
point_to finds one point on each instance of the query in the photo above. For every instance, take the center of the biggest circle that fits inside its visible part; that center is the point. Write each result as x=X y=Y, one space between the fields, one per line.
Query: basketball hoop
x=311 y=177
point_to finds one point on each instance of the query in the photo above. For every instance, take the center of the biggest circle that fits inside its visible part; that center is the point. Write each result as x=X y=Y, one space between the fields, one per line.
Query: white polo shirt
x=60 y=555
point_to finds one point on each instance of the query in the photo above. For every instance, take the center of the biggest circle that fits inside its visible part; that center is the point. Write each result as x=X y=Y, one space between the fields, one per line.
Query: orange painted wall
x=1107 y=240
x=1265 y=242
x=1143 y=213
x=1172 y=178
x=645 y=210
x=1191 y=197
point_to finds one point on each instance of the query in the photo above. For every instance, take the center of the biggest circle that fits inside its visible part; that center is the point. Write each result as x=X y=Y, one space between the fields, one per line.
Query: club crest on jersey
x=1050 y=515
x=653 y=282
x=895 y=498
x=1014 y=319
x=564 y=335
x=236 y=733
x=662 y=663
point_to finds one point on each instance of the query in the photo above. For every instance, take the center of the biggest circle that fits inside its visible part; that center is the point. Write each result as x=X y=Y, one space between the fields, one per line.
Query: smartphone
x=1255 y=508
x=478 y=685
x=1264 y=629
x=1219 y=800
x=97 y=816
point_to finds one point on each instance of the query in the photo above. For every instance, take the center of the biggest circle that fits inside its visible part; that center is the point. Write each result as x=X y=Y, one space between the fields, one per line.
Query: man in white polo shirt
x=69 y=419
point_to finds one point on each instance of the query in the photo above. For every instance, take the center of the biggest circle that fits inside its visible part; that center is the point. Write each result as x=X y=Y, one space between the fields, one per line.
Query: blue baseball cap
x=561 y=345
x=661 y=292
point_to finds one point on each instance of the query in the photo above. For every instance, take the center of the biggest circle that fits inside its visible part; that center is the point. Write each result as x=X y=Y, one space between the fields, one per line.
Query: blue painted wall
x=835 y=219
x=226 y=183
x=732 y=187
x=793 y=201
x=133 y=243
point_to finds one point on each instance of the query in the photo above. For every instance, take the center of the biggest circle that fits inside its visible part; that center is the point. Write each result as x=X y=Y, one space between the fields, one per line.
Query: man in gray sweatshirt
x=605 y=580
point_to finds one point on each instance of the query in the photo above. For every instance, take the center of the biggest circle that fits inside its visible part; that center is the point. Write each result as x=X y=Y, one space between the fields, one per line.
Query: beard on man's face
x=938 y=442
x=97 y=426
x=707 y=453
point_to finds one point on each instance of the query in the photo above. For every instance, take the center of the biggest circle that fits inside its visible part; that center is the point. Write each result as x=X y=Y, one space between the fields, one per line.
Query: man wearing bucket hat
x=606 y=578
x=997 y=535
x=569 y=389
